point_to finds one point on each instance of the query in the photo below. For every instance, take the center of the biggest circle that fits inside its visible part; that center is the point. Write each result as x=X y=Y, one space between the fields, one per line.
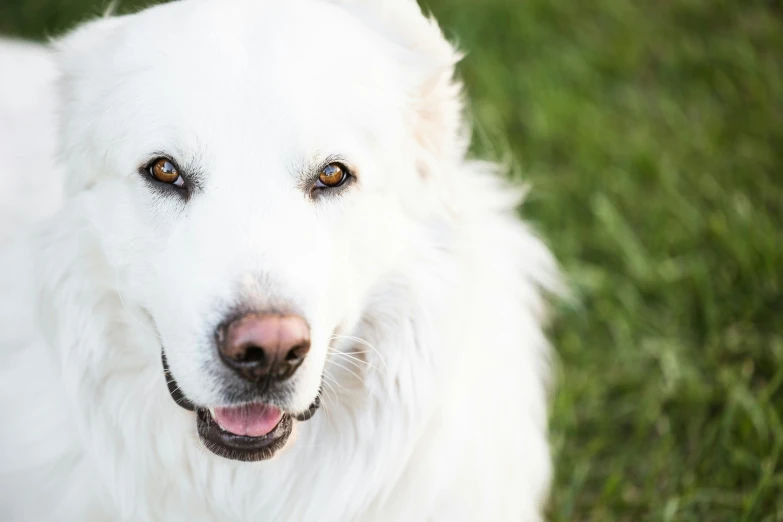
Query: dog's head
x=253 y=169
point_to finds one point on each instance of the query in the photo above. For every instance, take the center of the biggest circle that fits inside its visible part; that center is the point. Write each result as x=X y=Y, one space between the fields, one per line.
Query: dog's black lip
x=308 y=414
x=174 y=390
x=229 y=445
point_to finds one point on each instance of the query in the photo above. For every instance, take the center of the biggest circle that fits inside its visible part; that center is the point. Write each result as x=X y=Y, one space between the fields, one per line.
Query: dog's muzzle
x=247 y=432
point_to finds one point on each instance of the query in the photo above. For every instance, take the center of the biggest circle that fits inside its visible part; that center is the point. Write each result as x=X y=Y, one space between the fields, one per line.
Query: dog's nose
x=264 y=346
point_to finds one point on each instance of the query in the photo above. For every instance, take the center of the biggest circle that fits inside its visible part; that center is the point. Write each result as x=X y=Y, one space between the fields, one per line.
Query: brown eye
x=164 y=171
x=333 y=175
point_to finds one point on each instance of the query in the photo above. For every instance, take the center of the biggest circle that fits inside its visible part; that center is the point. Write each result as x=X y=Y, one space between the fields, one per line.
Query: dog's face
x=252 y=170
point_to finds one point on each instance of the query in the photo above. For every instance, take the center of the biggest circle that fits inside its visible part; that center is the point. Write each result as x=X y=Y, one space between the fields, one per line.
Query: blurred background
x=652 y=135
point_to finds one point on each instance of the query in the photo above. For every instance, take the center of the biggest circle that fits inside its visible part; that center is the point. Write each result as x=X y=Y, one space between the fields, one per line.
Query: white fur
x=421 y=265
x=30 y=184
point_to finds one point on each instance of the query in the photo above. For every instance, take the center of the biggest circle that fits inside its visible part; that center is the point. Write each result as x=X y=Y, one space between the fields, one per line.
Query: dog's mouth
x=249 y=433
x=246 y=432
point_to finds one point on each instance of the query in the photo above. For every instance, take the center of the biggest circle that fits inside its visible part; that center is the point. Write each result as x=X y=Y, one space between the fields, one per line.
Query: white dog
x=267 y=206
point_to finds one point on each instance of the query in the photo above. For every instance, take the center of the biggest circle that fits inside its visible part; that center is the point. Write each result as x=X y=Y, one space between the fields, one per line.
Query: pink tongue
x=251 y=420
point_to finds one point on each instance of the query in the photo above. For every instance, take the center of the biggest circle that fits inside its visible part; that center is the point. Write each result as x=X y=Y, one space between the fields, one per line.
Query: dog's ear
x=80 y=55
x=436 y=113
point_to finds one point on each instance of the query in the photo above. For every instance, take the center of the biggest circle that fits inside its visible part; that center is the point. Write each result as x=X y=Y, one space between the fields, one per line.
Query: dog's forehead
x=273 y=62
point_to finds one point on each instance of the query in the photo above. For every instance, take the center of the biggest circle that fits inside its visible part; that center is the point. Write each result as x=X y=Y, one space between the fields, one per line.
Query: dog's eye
x=163 y=170
x=333 y=175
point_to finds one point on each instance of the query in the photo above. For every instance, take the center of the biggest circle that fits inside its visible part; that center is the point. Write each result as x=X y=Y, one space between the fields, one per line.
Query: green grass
x=652 y=132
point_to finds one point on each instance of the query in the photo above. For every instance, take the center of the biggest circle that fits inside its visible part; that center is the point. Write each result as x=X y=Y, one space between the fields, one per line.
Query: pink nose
x=261 y=346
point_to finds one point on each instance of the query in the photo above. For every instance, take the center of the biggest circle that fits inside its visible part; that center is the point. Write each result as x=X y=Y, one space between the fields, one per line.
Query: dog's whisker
x=353 y=361
x=333 y=380
x=364 y=342
x=348 y=359
x=327 y=396
x=361 y=380
x=328 y=399
x=357 y=360
x=353 y=352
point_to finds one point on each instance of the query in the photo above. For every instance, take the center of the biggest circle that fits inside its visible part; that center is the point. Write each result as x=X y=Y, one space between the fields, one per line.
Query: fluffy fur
x=422 y=288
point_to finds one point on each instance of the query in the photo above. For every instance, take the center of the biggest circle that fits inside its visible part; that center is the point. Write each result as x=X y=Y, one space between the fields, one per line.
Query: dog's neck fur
x=139 y=454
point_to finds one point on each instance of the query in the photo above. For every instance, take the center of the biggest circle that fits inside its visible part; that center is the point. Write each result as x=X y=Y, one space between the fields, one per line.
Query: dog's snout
x=264 y=346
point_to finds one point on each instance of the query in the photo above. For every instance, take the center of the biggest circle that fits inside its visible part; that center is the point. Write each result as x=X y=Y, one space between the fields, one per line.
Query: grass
x=652 y=133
